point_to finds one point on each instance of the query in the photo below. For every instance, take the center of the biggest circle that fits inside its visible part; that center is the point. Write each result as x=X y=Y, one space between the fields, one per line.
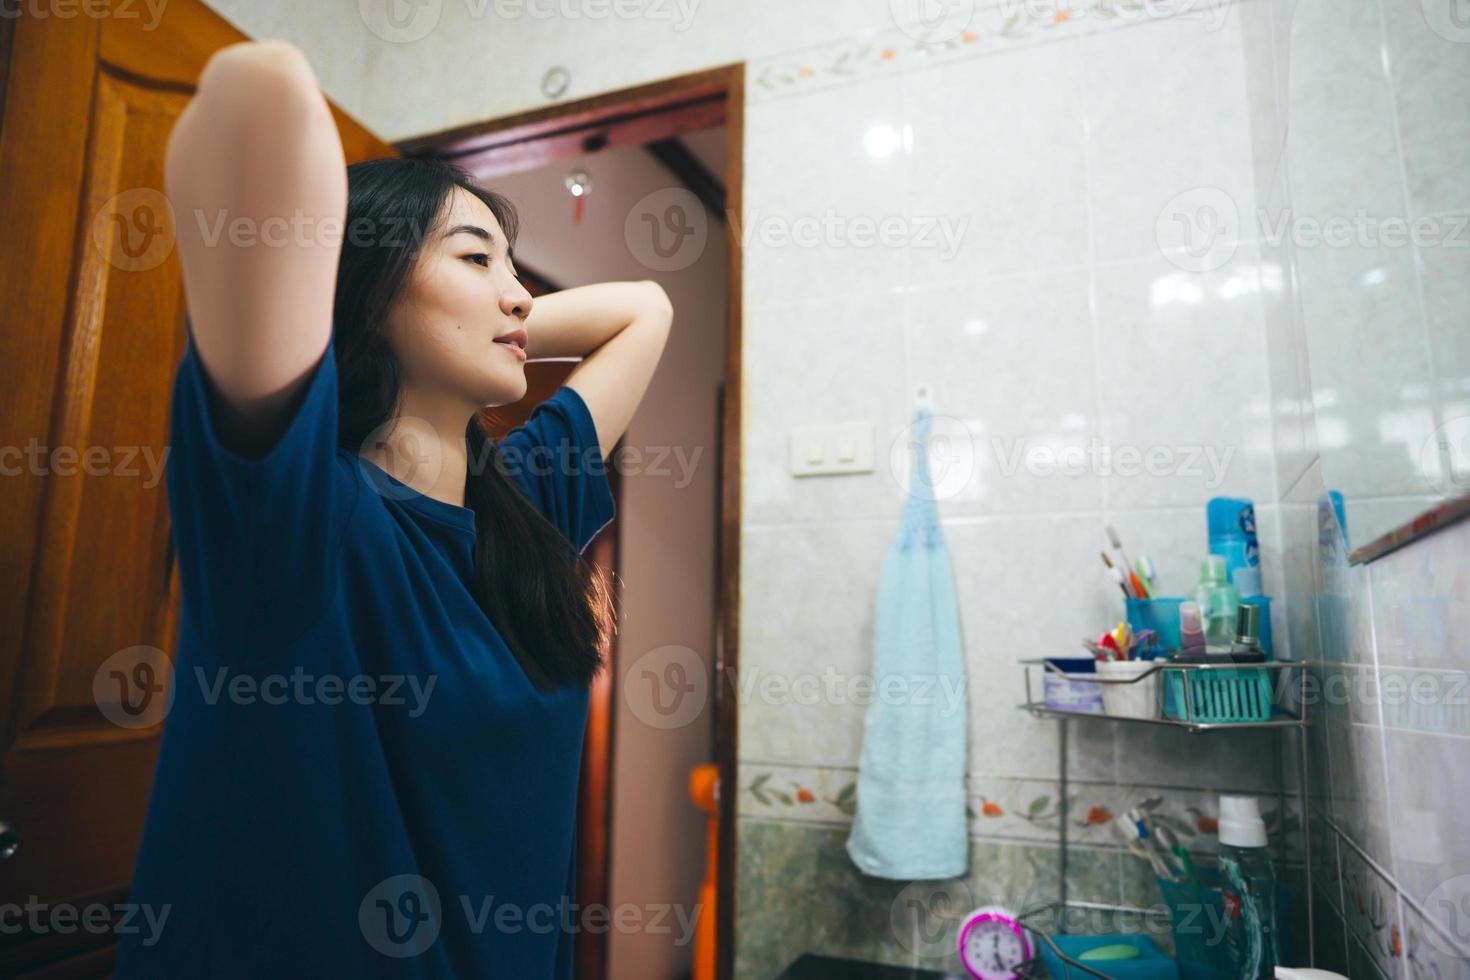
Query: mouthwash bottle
x=1218 y=602
x=1249 y=890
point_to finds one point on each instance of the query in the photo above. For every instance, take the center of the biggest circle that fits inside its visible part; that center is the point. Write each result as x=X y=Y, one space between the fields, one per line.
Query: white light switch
x=845 y=447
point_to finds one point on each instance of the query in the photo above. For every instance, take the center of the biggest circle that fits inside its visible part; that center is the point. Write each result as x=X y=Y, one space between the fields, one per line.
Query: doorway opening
x=645 y=183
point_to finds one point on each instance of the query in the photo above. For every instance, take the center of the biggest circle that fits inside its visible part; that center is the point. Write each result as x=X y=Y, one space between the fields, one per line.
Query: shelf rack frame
x=1280 y=720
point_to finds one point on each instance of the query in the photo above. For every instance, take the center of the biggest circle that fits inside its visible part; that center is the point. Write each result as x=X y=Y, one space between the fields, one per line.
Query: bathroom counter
x=810 y=966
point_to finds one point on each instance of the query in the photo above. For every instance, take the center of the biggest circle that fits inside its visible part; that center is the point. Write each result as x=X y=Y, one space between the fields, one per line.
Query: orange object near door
x=704 y=789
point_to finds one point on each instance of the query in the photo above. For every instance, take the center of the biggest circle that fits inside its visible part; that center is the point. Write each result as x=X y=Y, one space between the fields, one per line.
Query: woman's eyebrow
x=475 y=230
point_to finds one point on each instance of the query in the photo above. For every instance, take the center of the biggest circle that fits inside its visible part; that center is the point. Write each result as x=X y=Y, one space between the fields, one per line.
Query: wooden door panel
x=117 y=373
x=91 y=340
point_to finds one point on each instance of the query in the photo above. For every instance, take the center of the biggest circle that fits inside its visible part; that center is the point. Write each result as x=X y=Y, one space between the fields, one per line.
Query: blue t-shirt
x=356 y=777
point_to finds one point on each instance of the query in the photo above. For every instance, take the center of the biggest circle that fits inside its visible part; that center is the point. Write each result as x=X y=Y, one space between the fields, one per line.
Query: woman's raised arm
x=257 y=179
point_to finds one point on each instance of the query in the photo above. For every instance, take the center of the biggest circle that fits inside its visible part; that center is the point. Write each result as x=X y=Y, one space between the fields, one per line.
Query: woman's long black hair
x=551 y=612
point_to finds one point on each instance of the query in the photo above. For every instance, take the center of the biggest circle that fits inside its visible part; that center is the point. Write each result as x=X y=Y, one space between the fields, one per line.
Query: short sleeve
x=257 y=539
x=557 y=460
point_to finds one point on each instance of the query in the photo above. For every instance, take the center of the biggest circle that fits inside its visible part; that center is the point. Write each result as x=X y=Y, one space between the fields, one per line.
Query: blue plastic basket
x=1151 y=963
x=1197 y=918
x=1223 y=696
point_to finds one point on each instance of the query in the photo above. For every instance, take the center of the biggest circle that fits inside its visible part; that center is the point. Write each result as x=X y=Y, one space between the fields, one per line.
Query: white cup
x=1137 y=700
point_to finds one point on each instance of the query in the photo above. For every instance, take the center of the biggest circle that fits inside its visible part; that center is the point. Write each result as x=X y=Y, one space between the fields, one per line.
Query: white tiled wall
x=1391 y=712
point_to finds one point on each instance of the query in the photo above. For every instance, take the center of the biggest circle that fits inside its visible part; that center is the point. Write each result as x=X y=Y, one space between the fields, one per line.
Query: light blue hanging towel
x=910 y=821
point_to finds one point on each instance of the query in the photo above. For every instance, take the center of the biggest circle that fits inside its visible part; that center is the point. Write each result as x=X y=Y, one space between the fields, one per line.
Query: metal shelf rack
x=1280 y=719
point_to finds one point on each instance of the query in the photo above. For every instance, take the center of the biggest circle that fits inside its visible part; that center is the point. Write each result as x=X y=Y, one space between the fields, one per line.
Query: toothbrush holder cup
x=1125 y=693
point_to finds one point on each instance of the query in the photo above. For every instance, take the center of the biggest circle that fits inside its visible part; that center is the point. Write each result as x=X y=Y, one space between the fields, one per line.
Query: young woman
x=370 y=765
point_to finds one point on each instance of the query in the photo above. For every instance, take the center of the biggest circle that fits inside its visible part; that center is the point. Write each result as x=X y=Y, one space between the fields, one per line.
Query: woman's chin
x=507 y=387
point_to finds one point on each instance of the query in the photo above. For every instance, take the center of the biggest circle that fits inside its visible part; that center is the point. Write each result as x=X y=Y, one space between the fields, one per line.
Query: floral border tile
x=1428 y=953
x=996 y=27
x=808 y=793
x=1001 y=809
x=1372 y=911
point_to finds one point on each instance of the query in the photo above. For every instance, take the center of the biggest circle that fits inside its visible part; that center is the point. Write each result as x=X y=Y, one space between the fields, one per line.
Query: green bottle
x=1249 y=891
x=1218 y=602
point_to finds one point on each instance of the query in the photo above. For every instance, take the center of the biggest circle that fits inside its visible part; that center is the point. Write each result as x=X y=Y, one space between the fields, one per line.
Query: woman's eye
x=479 y=258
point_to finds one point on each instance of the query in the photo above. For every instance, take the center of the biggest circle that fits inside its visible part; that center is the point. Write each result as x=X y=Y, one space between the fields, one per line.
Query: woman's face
x=461 y=295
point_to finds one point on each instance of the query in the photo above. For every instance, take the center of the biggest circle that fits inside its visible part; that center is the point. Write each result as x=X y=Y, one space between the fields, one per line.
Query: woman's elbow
x=659 y=306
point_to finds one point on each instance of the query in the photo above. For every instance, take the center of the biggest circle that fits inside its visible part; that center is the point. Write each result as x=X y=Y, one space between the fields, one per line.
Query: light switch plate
x=844 y=447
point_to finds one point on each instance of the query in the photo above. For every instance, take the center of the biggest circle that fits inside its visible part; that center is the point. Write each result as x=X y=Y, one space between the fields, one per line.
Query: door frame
x=632 y=116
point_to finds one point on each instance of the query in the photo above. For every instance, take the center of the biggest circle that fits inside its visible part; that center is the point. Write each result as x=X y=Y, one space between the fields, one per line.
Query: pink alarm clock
x=993 y=945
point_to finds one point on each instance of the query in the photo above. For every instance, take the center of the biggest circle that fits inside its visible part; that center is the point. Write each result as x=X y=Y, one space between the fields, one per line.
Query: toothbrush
x=1117 y=543
x=1149 y=572
x=1134 y=833
x=1117 y=576
x=1140 y=565
x=1153 y=837
x=1168 y=838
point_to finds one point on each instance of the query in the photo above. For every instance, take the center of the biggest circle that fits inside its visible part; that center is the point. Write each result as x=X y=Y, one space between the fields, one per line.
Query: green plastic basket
x=1233 y=694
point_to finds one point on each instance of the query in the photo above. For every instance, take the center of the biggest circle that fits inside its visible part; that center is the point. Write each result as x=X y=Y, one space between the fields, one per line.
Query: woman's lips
x=513 y=348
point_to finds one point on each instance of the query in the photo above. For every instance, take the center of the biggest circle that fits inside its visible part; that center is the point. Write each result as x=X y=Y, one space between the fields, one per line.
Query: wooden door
x=91 y=338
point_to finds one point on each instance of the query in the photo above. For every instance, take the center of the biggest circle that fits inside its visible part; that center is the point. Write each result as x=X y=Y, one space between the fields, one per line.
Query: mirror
x=1378 y=151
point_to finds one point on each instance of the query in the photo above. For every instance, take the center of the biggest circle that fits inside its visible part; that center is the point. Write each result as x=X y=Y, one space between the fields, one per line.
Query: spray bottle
x=1249 y=890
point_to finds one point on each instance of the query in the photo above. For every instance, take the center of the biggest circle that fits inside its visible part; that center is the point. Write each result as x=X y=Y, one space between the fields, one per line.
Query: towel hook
x=924 y=397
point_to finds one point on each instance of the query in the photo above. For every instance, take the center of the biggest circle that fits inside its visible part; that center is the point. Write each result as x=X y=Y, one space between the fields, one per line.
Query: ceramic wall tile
x=1169 y=148
x=806 y=640
x=1425 y=53
x=826 y=203
x=1019 y=441
x=839 y=359
x=1016 y=194
x=1199 y=426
